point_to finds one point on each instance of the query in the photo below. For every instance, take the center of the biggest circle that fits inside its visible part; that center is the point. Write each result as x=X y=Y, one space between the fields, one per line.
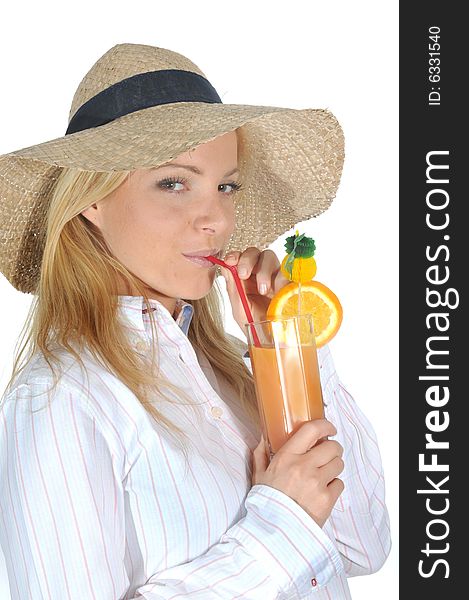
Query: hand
x=305 y=468
x=261 y=267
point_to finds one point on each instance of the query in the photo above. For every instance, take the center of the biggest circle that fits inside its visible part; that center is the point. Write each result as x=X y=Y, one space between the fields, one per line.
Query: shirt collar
x=183 y=314
x=134 y=310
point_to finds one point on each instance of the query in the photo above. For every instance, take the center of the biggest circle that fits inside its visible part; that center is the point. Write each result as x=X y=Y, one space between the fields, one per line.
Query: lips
x=202 y=253
x=200 y=260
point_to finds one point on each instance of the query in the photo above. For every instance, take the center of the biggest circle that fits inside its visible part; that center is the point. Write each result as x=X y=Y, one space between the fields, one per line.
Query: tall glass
x=286 y=376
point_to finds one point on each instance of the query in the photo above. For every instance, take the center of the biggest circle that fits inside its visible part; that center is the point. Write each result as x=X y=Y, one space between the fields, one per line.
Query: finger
x=232 y=257
x=324 y=452
x=307 y=435
x=246 y=262
x=335 y=488
x=266 y=269
x=332 y=469
x=259 y=458
x=265 y=265
x=234 y=297
x=276 y=280
x=227 y=276
x=279 y=281
x=321 y=440
x=263 y=275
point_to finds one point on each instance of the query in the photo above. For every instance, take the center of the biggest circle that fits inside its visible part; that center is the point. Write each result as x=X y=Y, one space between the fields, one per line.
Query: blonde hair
x=76 y=301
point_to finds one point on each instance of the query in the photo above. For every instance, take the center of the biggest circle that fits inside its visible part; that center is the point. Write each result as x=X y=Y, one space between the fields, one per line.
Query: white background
x=338 y=55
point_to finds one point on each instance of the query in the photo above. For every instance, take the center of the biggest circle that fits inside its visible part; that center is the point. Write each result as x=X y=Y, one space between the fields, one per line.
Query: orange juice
x=288 y=389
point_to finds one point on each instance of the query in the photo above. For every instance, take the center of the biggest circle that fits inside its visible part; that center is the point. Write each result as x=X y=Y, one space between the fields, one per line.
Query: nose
x=214 y=214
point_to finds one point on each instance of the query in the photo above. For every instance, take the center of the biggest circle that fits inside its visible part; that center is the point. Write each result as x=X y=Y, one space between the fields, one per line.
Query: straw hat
x=140 y=106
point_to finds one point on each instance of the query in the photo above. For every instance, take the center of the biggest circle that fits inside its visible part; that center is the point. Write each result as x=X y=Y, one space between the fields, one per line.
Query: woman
x=132 y=458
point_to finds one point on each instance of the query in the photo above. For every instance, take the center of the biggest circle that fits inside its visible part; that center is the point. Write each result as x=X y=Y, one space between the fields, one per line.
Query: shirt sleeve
x=63 y=525
x=276 y=551
x=359 y=521
x=59 y=532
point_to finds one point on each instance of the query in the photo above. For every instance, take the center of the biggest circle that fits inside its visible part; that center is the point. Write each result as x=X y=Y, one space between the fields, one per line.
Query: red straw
x=241 y=293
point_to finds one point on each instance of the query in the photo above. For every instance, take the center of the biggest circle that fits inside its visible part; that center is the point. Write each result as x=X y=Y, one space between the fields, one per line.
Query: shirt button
x=216 y=411
x=314 y=583
x=141 y=346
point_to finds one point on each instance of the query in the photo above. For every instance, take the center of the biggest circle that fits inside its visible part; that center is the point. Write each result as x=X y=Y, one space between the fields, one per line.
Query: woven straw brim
x=290 y=170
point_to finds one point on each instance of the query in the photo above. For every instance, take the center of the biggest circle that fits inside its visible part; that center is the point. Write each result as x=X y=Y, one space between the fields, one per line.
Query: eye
x=168 y=182
x=235 y=186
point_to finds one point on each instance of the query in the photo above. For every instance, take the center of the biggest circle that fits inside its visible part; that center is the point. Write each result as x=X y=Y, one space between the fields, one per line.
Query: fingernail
x=263 y=288
x=242 y=271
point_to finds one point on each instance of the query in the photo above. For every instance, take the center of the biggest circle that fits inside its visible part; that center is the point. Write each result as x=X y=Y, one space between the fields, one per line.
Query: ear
x=92 y=214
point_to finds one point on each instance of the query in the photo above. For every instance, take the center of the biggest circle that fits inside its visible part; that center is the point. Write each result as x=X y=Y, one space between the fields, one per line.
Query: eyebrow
x=192 y=168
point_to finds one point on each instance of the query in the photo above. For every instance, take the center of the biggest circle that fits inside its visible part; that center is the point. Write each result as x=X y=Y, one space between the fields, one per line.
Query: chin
x=200 y=290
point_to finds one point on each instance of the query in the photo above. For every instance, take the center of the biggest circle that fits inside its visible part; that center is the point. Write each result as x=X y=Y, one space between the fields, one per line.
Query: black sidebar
x=434 y=329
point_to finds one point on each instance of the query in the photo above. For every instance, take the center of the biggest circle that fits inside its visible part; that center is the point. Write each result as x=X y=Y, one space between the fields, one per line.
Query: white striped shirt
x=96 y=501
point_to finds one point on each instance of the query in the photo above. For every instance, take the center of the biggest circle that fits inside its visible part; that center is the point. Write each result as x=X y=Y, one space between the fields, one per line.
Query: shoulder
x=98 y=394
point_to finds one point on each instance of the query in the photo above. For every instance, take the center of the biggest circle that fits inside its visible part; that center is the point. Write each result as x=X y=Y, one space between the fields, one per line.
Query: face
x=159 y=216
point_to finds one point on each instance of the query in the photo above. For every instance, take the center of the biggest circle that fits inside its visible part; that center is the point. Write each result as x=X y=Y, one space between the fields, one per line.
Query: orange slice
x=316 y=299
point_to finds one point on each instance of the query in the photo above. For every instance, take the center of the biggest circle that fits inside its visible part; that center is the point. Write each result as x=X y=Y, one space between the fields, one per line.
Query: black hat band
x=139 y=92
